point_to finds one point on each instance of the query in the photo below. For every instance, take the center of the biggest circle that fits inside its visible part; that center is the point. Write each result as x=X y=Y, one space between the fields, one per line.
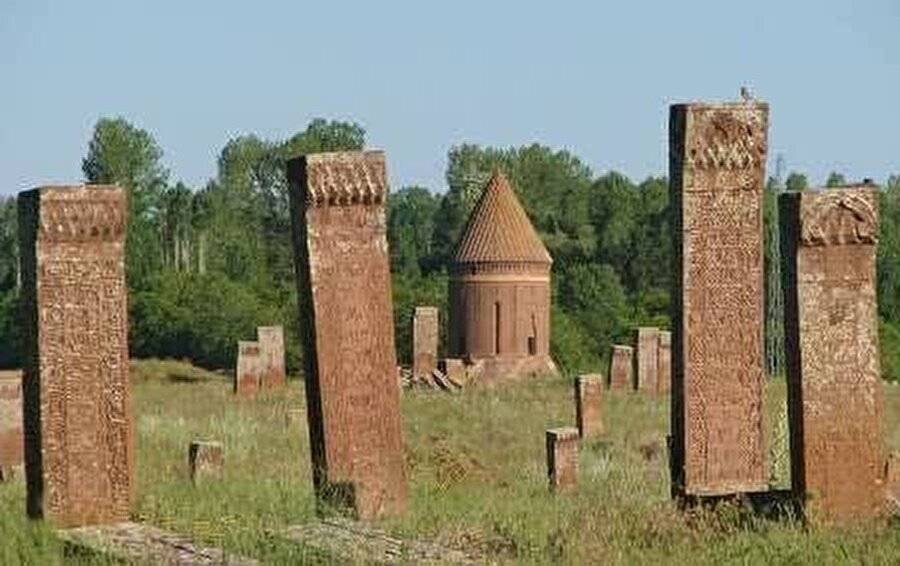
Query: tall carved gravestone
x=425 y=341
x=271 y=348
x=79 y=453
x=664 y=363
x=647 y=360
x=717 y=169
x=344 y=286
x=620 y=362
x=835 y=394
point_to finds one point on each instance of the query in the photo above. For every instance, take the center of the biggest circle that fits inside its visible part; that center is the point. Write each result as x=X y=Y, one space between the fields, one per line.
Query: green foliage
x=796 y=182
x=889 y=342
x=835 y=179
x=570 y=345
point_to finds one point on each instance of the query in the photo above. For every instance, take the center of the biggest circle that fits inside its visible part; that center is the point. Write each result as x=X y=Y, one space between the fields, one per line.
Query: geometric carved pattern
x=838 y=217
x=835 y=397
x=340 y=179
x=78 y=424
x=717 y=168
x=344 y=288
x=621 y=360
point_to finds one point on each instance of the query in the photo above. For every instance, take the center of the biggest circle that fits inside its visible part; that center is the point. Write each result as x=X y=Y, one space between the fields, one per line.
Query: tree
x=411 y=225
x=122 y=154
x=835 y=179
x=796 y=182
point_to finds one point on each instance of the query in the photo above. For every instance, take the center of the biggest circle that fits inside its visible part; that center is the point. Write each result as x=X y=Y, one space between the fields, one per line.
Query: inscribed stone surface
x=835 y=397
x=79 y=453
x=620 y=363
x=717 y=169
x=344 y=286
x=425 y=341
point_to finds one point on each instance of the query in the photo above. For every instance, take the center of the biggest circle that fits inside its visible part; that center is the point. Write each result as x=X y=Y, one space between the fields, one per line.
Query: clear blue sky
x=422 y=76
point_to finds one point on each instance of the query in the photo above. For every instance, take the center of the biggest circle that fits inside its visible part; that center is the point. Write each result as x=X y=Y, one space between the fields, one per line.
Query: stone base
x=503 y=369
x=345 y=541
x=143 y=544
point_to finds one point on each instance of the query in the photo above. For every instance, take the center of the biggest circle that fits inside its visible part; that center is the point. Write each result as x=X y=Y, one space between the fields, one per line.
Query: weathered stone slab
x=355 y=543
x=137 y=543
x=271 y=347
x=621 y=361
x=647 y=345
x=455 y=370
x=12 y=442
x=425 y=341
x=835 y=397
x=562 y=458
x=344 y=285
x=717 y=170
x=588 y=405
x=664 y=363
x=249 y=370
x=205 y=460
x=79 y=451
x=892 y=482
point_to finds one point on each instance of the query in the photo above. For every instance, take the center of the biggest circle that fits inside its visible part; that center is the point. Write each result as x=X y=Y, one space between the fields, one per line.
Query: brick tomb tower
x=500 y=290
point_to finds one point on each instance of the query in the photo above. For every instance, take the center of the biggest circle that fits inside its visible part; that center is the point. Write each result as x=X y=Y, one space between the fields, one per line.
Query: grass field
x=477 y=480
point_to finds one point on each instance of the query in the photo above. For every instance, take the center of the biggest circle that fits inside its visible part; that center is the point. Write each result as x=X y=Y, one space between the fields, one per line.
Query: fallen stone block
x=144 y=544
x=351 y=542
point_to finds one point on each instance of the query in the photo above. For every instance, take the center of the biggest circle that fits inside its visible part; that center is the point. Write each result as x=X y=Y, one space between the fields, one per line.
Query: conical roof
x=499 y=230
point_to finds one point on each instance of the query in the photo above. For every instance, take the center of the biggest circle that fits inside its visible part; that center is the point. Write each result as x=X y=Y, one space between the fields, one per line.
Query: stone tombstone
x=344 y=282
x=717 y=156
x=12 y=443
x=647 y=359
x=892 y=481
x=271 y=346
x=620 y=364
x=835 y=397
x=425 y=341
x=79 y=450
x=664 y=362
x=562 y=458
x=454 y=369
x=588 y=405
x=249 y=370
x=205 y=460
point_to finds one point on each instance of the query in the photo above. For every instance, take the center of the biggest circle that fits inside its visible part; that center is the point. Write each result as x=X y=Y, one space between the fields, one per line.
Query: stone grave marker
x=620 y=364
x=835 y=396
x=588 y=405
x=12 y=442
x=717 y=157
x=79 y=450
x=664 y=363
x=344 y=284
x=271 y=347
x=647 y=359
x=562 y=458
x=425 y=341
x=249 y=371
x=205 y=460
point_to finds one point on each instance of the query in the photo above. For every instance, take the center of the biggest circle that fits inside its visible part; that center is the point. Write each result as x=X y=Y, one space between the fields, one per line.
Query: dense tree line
x=207 y=265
